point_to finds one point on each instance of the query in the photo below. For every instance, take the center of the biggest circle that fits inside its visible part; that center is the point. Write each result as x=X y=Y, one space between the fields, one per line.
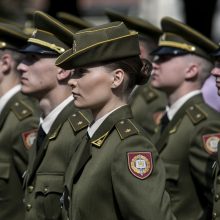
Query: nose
x=215 y=71
x=72 y=83
x=21 y=68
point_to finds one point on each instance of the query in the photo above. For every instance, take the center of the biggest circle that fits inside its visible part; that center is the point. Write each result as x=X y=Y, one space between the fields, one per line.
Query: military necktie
x=40 y=137
x=164 y=121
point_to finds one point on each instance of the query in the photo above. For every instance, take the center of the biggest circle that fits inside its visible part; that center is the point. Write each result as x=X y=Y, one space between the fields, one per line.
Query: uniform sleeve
x=140 y=194
x=23 y=139
x=202 y=157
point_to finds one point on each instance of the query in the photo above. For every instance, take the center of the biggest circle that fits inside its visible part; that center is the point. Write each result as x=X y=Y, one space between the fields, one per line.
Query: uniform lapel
x=53 y=133
x=173 y=125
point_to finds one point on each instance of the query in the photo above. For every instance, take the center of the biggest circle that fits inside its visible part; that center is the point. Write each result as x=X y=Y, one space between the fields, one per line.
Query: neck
x=100 y=112
x=180 y=92
x=8 y=83
x=52 y=100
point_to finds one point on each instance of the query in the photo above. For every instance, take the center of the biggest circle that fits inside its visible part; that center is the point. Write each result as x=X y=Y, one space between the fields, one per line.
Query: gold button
x=216 y=197
x=28 y=207
x=30 y=189
x=24 y=112
x=122 y=122
x=45 y=190
x=198 y=115
x=191 y=108
x=214 y=215
x=16 y=104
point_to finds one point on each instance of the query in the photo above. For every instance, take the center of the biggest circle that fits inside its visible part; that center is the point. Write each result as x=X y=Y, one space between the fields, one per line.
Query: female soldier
x=115 y=172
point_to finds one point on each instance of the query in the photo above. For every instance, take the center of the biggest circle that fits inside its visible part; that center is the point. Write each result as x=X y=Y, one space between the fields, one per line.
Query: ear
x=118 y=77
x=191 y=71
x=63 y=74
x=6 y=60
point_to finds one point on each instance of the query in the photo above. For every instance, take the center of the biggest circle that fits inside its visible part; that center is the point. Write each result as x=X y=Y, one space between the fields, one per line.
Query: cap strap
x=177 y=45
x=46 y=44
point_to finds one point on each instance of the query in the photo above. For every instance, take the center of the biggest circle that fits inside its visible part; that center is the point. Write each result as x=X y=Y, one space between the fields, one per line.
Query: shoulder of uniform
x=126 y=128
x=78 y=121
x=21 y=109
x=150 y=94
x=196 y=114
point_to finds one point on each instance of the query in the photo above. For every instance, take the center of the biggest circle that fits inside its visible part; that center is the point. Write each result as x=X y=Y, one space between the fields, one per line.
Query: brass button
x=214 y=215
x=30 y=189
x=45 y=190
x=28 y=207
x=216 y=197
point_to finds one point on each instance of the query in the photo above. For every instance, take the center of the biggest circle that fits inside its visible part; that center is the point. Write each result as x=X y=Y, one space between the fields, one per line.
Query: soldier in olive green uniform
x=216 y=198
x=18 y=123
x=147 y=103
x=188 y=142
x=61 y=122
x=115 y=172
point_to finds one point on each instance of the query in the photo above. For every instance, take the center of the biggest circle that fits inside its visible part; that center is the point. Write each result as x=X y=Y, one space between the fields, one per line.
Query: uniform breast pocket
x=48 y=191
x=4 y=179
x=172 y=177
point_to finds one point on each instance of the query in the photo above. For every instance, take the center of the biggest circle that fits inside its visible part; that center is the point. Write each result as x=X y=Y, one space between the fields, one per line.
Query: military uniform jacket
x=45 y=175
x=18 y=123
x=116 y=174
x=148 y=105
x=216 y=197
x=187 y=147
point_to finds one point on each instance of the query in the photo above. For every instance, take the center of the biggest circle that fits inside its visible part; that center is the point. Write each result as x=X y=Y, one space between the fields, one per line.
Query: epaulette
x=149 y=94
x=78 y=121
x=195 y=114
x=126 y=128
x=21 y=110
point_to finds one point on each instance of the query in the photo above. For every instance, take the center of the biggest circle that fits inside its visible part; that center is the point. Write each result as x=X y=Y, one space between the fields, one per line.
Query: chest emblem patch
x=140 y=164
x=210 y=142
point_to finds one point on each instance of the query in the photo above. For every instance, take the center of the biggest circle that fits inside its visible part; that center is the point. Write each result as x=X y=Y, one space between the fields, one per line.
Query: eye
x=79 y=72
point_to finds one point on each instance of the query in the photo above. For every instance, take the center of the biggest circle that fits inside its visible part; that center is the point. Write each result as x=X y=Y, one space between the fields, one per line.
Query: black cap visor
x=171 y=51
x=37 y=49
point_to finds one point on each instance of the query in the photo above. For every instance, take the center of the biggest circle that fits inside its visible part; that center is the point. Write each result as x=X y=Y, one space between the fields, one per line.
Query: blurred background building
x=202 y=15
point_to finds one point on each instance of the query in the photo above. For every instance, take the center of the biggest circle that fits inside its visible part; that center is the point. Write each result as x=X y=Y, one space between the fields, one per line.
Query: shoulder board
x=78 y=121
x=150 y=94
x=126 y=128
x=196 y=114
x=21 y=110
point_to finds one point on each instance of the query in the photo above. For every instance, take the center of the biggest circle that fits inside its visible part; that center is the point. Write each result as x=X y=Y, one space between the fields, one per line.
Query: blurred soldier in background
x=19 y=119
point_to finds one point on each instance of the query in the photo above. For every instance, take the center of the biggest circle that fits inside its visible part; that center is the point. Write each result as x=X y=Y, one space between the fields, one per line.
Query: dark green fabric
x=134 y=23
x=14 y=156
x=148 y=105
x=103 y=43
x=45 y=175
x=188 y=163
x=98 y=183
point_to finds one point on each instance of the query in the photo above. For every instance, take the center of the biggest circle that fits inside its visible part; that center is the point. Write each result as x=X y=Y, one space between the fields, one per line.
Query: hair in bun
x=138 y=70
x=145 y=72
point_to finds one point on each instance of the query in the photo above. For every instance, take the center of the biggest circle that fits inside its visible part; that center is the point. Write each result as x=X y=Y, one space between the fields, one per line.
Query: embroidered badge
x=140 y=164
x=29 y=137
x=210 y=142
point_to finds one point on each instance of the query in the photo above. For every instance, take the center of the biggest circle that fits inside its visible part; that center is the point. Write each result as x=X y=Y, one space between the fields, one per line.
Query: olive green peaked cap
x=50 y=36
x=11 y=37
x=74 y=23
x=134 y=23
x=178 y=38
x=102 y=43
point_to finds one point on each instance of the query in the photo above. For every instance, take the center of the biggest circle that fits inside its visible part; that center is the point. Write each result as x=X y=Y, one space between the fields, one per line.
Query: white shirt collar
x=172 y=110
x=93 y=128
x=47 y=122
x=8 y=95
